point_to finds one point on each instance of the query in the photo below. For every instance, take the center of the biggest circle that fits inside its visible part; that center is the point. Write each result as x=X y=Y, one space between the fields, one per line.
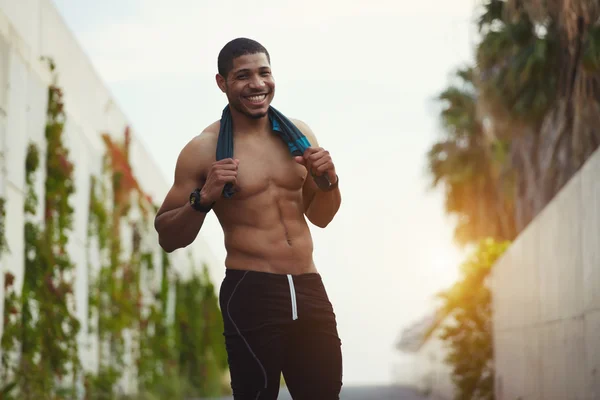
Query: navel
x=285 y=230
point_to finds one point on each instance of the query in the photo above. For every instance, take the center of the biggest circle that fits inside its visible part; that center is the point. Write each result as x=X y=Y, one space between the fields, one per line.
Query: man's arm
x=176 y=222
x=320 y=207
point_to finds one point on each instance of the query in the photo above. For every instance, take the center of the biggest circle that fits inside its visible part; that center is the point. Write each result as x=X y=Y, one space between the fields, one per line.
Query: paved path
x=364 y=393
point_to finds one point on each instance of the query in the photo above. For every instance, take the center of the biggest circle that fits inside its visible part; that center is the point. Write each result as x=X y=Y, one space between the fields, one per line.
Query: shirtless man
x=276 y=313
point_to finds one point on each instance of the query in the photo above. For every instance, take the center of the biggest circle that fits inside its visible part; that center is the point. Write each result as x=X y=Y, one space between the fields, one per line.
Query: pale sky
x=364 y=78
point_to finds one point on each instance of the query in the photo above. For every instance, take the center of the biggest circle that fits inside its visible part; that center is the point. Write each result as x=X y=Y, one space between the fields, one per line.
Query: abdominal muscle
x=267 y=233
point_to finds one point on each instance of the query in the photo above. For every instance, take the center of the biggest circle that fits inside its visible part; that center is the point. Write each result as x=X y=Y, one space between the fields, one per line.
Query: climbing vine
x=156 y=342
x=184 y=359
x=469 y=336
x=115 y=294
x=198 y=329
x=10 y=317
x=9 y=299
x=147 y=321
x=3 y=245
x=174 y=359
x=39 y=343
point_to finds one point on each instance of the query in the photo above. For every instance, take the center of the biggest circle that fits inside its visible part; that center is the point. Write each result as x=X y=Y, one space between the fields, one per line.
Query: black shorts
x=274 y=324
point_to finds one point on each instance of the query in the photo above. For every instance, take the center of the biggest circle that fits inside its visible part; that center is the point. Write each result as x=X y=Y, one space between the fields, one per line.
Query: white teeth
x=257 y=99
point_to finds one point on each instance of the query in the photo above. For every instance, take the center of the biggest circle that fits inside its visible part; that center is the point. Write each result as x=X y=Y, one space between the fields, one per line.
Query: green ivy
x=198 y=327
x=10 y=319
x=158 y=362
x=39 y=342
x=114 y=294
x=182 y=358
x=176 y=355
x=3 y=244
x=468 y=307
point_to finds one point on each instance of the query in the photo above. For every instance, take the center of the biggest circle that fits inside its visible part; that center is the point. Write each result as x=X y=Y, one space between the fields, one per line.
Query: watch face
x=195 y=202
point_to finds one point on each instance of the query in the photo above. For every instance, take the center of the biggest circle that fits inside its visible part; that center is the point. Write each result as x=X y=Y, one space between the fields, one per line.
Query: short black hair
x=237 y=48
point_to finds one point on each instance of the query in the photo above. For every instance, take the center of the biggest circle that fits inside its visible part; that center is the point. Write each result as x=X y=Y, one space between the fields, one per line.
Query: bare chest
x=266 y=164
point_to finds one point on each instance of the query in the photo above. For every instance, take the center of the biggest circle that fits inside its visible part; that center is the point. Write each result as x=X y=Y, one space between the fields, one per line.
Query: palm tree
x=468 y=162
x=537 y=72
x=536 y=85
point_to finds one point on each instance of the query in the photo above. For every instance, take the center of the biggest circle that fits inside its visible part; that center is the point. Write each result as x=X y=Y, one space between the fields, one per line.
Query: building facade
x=38 y=52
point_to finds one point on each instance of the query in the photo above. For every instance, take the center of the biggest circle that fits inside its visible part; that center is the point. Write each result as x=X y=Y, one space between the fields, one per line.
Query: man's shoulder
x=300 y=124
x=204 y=144
x=210 y=133
x=304 y=128
x=207 y=138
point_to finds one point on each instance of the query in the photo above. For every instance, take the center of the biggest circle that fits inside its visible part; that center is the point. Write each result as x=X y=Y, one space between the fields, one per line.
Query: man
x=276 y=313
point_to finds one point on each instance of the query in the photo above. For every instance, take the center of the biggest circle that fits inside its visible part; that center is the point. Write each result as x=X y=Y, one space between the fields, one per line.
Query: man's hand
x=221 y=172
x=318 y=162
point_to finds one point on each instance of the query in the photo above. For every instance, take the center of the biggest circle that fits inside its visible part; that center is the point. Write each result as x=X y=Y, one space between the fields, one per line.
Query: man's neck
x=245 y=124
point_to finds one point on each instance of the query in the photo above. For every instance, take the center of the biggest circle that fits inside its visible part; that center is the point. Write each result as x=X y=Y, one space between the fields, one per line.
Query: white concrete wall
x=546 y=297
x=30 y=29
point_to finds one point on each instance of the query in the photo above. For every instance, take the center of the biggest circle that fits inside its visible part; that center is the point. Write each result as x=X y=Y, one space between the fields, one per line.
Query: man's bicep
x=177 y=196
x=187 y=178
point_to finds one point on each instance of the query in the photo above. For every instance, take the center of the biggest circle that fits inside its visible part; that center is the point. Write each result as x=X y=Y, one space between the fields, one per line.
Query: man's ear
x=221 y=82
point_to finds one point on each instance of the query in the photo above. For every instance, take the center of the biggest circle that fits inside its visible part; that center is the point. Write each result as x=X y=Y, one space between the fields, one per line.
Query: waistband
x=239 y=273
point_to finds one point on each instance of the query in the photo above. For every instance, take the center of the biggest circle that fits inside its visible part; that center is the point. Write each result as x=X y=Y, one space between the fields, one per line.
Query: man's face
x=250 y=86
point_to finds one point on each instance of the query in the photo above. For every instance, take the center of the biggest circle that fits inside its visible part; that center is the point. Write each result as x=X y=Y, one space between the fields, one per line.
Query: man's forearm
x=324 y=206
x=179 y=227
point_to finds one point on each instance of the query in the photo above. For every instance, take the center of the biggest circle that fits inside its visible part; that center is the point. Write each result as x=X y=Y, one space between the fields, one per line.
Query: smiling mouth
x=257 y=98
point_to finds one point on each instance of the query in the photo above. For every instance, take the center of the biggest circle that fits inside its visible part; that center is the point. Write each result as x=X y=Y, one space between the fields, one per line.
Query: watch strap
x=323 y=183
x=195 y=202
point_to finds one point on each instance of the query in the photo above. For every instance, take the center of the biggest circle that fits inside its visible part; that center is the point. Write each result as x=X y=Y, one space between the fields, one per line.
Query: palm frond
x=494 y=12
x=566 y=14
x=516 y=72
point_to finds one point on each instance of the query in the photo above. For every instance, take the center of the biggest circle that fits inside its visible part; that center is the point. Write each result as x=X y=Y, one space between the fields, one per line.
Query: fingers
x=226 y=176
x=310 y=151
x=322 y=166
x=224 y=171
x=313 y=154
x=229 y=179
x=318 y=161
x=310 y=155
x=321 y=160
x=225 y=167
x=226 y=163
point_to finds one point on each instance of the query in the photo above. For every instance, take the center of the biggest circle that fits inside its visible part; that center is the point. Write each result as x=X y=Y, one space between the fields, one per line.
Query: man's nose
x=257 y=82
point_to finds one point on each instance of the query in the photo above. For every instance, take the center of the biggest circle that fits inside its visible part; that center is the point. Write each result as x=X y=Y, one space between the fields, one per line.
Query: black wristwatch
x=195 y=199
x=324 y=184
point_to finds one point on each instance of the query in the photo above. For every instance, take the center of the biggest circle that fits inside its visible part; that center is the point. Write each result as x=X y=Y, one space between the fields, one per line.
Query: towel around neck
x=296 y=141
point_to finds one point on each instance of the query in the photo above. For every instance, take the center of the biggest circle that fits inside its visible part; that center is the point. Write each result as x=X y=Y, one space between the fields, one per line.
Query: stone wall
x=546 y=298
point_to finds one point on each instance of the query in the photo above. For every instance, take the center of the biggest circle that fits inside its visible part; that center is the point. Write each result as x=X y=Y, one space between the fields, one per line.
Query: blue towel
x=289 y=133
